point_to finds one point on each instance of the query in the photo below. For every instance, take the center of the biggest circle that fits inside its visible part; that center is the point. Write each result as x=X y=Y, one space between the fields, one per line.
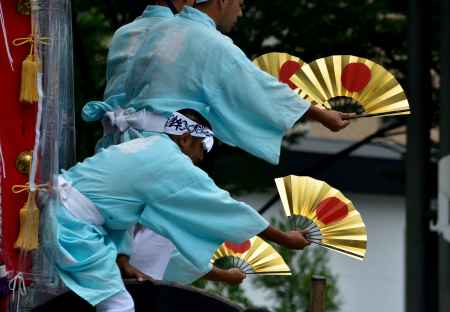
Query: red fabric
x=17 y=122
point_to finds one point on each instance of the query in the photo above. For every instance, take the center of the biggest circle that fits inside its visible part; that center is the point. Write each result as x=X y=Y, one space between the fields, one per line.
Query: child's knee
x=121 y=302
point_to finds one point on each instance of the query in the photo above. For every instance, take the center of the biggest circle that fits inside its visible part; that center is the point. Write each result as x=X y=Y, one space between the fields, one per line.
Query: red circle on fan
x=356 y=76
x=331 y=210
x=287 y=70
x=239 y=248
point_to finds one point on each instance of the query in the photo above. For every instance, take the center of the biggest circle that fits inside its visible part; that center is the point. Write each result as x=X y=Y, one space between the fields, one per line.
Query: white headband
x=178 y=124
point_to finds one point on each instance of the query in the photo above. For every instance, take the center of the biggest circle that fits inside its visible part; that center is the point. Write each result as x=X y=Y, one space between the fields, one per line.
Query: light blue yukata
x=188 y=63
x=125 y=42
x=151 y=182
x=124 y=45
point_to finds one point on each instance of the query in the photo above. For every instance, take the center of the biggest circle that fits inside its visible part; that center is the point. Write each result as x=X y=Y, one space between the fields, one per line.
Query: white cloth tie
x=77 y=204
x=177 y=124
x=18 y=282
x=124 y=119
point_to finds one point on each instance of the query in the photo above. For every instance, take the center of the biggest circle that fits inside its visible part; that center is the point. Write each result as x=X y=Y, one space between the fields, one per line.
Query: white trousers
x=151 y=253
x=122 y=302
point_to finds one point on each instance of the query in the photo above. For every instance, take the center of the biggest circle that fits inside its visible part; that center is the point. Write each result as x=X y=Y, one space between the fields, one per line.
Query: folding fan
x=328 y=218
x=352 y=84
x=253 y=256
x=282 y=66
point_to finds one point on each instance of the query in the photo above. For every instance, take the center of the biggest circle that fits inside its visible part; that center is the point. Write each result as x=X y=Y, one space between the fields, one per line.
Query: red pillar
x=17 y=122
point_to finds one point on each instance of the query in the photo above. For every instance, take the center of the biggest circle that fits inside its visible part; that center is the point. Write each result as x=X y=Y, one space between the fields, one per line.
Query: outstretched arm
x=231 y=276
x=291 y=239
x=331 y=119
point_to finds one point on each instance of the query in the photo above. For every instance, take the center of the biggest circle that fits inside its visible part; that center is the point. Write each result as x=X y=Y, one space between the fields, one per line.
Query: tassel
x=28 y=238
x=31 y=66
x=28 y=87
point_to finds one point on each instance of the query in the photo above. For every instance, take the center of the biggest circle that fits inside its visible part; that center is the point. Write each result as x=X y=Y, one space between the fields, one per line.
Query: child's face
x=192 y=147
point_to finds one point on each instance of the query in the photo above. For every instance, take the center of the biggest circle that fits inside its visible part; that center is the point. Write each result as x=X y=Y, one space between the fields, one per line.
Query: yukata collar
x=157 y=11
x=198 y=16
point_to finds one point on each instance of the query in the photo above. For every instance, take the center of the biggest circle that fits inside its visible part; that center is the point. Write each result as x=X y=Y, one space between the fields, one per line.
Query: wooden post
x=444 y=246
x=421 y=244
x=318 y=294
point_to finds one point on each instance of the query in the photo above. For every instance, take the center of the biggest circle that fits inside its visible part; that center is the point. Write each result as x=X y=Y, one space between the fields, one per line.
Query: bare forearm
x=216 y=275
x=314 y=113
x=291 y=239
x=274 y=235
x=231 y=276
x=331 y=119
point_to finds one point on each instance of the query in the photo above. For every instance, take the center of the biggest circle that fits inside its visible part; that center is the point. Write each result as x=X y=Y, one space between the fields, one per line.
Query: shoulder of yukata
x=233 y=57
x=221 y=49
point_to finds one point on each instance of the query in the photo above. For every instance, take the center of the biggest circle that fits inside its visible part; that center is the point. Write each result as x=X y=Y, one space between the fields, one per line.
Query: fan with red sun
x=282 y=66
x=253 y=256
x=328 y=218
x=352 y=84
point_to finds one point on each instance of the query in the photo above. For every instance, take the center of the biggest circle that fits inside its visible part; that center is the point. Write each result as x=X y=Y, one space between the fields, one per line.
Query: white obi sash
x=121 y=120
x=78 y=204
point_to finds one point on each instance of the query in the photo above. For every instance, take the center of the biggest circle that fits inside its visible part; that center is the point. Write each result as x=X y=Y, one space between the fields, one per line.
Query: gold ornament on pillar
x=23 y=162
x=24 y=7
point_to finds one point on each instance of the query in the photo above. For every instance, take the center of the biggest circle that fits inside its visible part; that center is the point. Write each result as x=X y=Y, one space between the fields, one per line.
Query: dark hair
x=195 y=116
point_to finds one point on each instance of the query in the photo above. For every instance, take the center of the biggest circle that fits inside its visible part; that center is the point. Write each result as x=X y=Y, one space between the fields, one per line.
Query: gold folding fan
x=352 y=84
x=328 y=218
x=253 y=256
x=282 y=66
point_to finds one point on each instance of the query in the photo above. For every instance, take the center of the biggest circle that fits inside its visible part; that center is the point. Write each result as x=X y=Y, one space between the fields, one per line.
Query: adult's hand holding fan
x=352 y=84
x=328 y=217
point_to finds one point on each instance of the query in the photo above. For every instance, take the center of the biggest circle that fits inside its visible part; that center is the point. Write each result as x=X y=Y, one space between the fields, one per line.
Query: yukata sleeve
x=197 y=216
x=123 y=240
x=180 y=270
x=254 y=108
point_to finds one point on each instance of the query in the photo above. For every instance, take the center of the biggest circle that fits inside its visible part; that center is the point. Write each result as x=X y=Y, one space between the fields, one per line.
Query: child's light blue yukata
x=147 y=181
x=187 y=63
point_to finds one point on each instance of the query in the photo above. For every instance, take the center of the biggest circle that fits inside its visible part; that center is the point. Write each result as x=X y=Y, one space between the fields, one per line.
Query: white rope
x=35 y=159
x=5 y=37
x=2 y=176
x=2 y=167
x=18 y=282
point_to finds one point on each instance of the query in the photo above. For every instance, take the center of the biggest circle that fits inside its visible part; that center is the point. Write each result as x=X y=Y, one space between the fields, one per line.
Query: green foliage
x=293 y=293
x=290 y=293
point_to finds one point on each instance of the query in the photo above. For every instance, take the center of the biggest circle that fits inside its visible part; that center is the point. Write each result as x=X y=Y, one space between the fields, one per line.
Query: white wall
x=376 y=284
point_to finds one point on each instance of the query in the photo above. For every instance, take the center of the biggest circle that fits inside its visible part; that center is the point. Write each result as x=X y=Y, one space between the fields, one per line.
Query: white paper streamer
x=5 y=37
